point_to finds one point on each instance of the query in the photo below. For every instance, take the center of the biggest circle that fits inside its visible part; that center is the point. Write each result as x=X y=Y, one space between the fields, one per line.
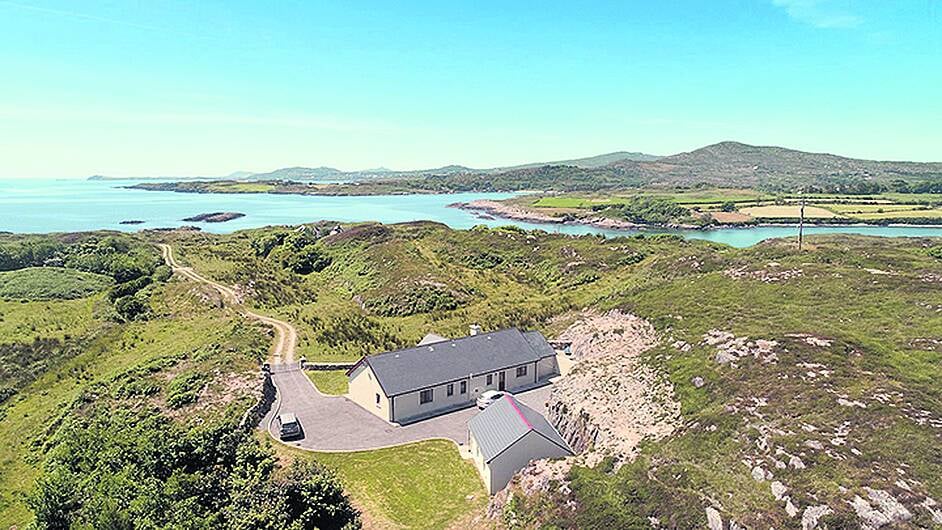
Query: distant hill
x=728 y=164
x=725 y=164
x=298 y=173
x=742 y=165
x=592 y=161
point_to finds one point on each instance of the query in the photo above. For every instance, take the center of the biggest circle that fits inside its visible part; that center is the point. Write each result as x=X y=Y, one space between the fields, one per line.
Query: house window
x=425 y=396
x=377 y=400
x=451 y=389
x=463 y=387
x=521 y=371
x=490 y=379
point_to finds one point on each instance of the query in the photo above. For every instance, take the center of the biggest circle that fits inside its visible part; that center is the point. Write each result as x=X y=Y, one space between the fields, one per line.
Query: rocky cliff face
x=611 y=400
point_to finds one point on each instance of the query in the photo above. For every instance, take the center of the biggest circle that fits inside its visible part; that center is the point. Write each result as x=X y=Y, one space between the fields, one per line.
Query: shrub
x=184 y=389
x=483 y=260
x=130 y=308
x=411 y=301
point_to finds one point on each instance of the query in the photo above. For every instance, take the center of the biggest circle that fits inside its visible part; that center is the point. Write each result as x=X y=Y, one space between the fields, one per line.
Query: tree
x=130 y=308
x=729 y=206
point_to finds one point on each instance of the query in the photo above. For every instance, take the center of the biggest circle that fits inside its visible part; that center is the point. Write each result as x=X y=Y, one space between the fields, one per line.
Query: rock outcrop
x=612 y=400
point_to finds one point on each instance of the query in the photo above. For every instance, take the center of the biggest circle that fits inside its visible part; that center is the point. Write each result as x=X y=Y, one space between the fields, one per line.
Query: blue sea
x=71 y=205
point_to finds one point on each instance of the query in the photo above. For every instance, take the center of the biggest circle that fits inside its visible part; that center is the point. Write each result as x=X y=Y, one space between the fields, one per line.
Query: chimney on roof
x=474 y=330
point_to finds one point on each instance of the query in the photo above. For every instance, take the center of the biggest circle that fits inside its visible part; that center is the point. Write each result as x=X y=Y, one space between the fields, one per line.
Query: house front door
x=500 y=381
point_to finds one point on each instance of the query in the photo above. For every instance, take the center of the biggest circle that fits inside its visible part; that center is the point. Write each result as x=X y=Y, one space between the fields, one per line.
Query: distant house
x=442 y=374
x=508 y=435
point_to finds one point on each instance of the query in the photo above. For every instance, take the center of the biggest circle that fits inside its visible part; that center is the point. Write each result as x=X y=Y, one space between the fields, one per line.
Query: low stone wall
x=254 y=415
x=327 y=366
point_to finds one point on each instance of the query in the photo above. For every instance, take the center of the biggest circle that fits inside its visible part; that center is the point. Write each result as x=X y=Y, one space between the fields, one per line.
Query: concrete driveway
x=334 y=423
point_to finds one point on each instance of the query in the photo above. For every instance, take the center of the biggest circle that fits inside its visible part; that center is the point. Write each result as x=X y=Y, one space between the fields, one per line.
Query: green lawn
x=333 y=382
x=50 y=283
x=425 y=485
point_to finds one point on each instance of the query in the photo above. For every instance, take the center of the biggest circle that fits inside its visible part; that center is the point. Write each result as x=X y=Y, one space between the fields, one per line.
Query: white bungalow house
x=508 y=435
x=442 y=374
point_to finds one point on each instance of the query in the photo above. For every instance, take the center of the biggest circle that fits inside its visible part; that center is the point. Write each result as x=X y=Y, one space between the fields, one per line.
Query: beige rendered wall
x=363 y=390
x=407 y=406
x=479 y=464
x=531 y=447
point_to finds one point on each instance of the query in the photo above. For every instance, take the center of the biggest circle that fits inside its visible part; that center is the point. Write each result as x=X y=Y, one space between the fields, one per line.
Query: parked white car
x=490 y=397
x=289 y=426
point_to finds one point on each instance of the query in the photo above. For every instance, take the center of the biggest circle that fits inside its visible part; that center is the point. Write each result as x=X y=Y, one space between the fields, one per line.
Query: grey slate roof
x=500 y=425
x=411 y=369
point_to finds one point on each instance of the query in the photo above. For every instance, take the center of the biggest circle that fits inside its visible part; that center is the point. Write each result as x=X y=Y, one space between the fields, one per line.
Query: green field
x=332 y=382
x=870 y=208
x=712 y=206
x=50 y=283
x=788 y=211
x=240 y=187
x=425 y=485
x=901 y=214
x=702 y=199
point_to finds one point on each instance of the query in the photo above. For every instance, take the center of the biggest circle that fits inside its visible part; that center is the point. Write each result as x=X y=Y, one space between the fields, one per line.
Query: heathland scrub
x=853 y=320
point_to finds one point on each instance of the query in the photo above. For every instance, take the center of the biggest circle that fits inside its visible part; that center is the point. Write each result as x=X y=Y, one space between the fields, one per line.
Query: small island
x=131 y=222
x=214 y=217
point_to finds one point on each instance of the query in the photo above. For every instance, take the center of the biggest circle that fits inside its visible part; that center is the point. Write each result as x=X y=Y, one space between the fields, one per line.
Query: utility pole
x=801 y=218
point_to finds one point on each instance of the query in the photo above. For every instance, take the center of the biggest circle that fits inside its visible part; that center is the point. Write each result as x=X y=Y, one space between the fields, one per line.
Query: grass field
x=425 y=485
x=870 y=208
x=332 y=382
x=788 y=211
x=879 y=208
x=901 y=214
x=50 y=283
x=702 y=199
x=28 y=321
x=240 y=187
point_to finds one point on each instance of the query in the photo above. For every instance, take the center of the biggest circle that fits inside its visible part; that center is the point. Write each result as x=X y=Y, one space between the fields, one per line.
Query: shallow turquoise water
x=39 y=206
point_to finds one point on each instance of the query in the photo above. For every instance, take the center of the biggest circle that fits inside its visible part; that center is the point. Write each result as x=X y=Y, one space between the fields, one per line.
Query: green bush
x=184 y=389
x=131 y=308
x=411 y=301
x=482 y=260
x=936 y=252
x=123 y=468
x=646 y=210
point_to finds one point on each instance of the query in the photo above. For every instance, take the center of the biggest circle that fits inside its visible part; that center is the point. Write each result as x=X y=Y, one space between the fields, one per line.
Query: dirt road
x=286 y=337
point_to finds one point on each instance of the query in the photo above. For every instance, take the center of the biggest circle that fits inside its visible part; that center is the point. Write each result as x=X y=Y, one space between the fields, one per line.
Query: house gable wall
x=532 y=446
x=363 y=391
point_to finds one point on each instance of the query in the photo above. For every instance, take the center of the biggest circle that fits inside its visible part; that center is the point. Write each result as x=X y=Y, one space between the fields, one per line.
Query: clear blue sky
x=154 y=87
